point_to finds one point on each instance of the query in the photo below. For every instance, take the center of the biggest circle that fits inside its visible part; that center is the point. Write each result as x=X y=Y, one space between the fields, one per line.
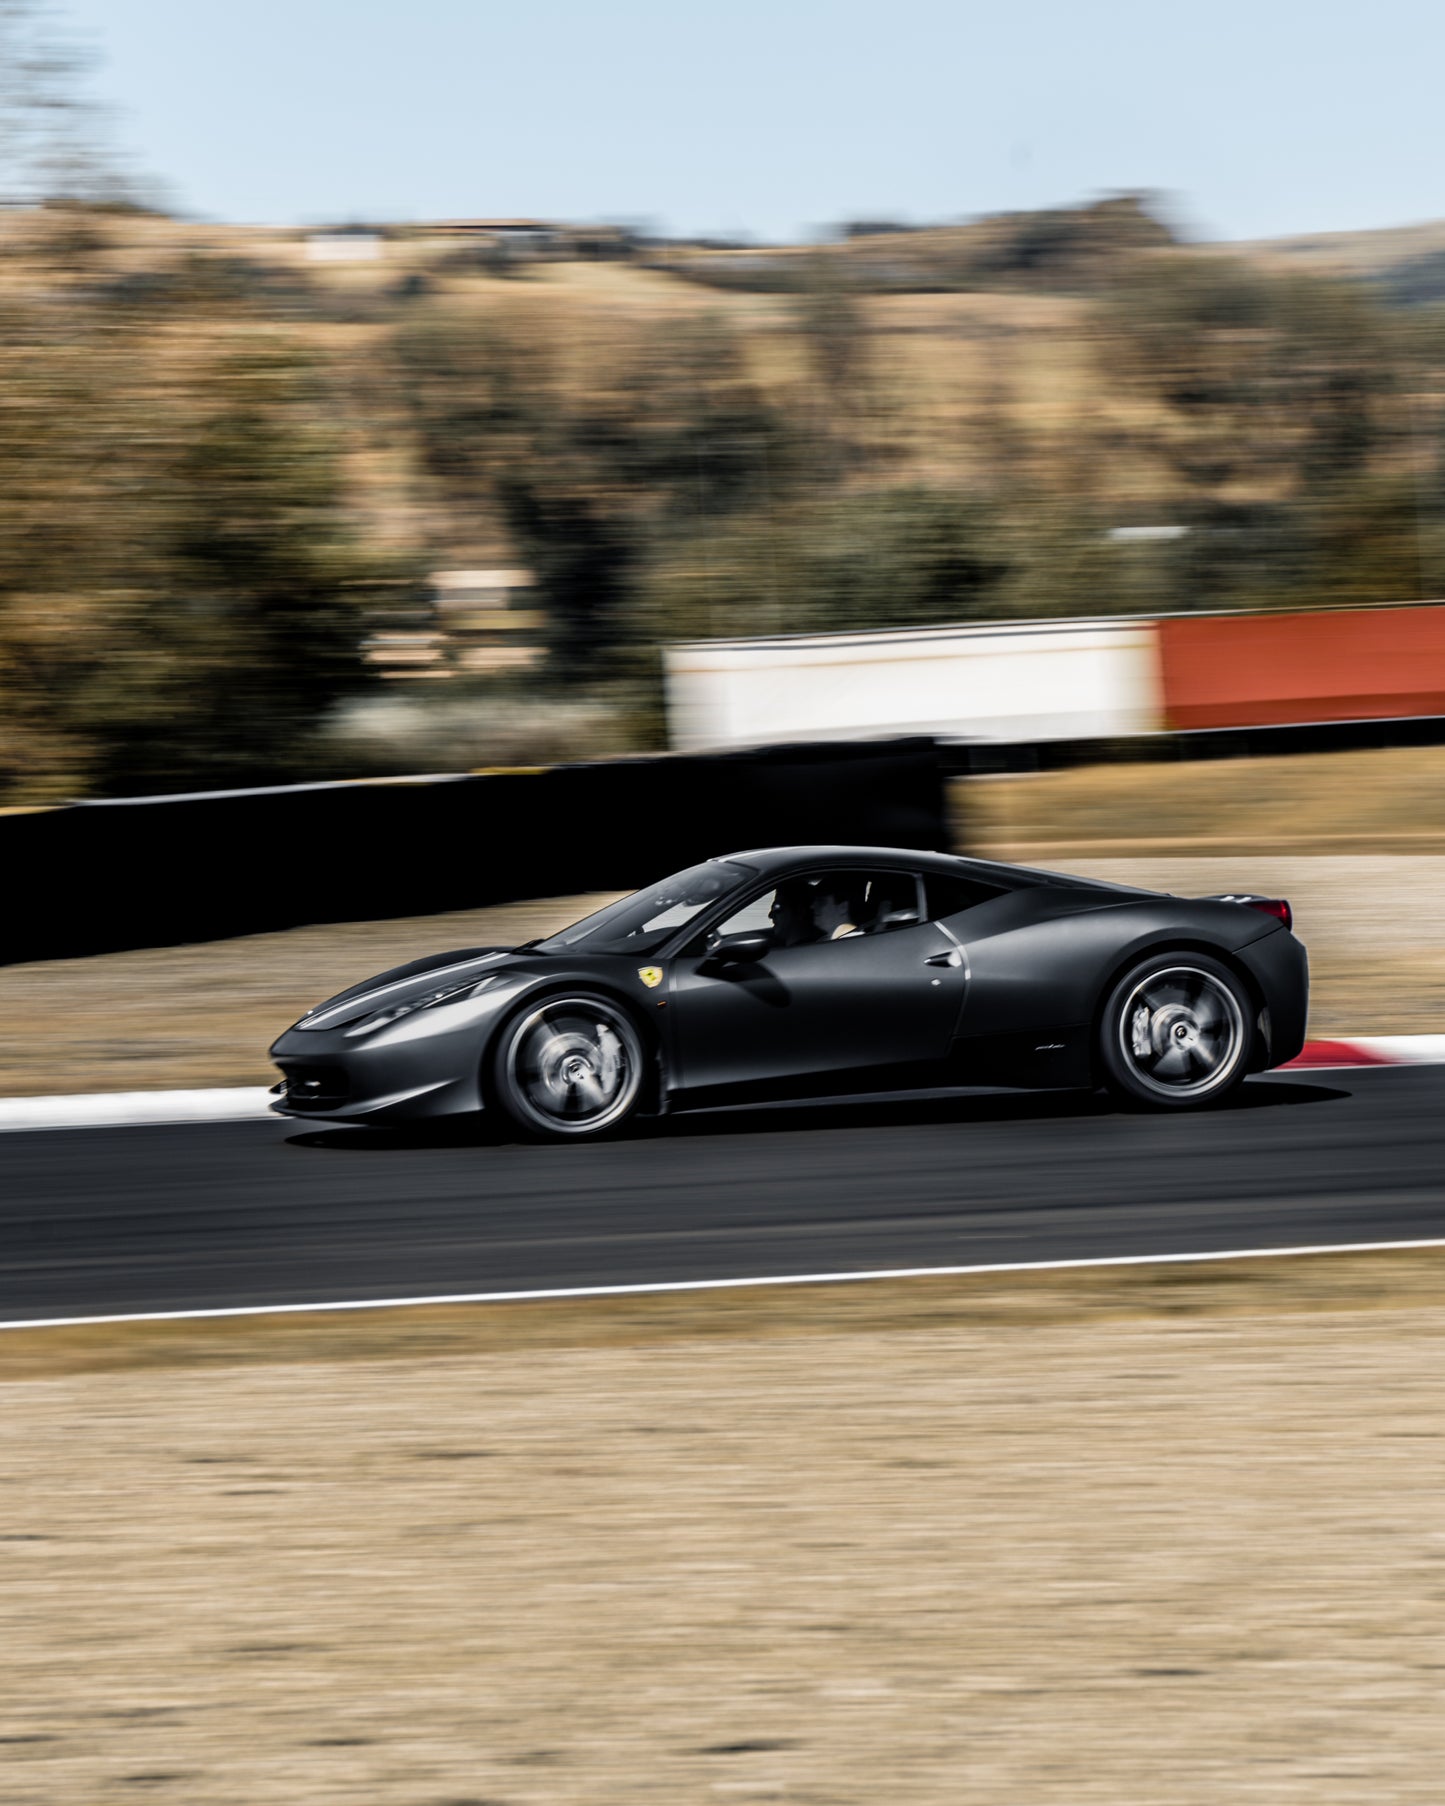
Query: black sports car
x=798 y=971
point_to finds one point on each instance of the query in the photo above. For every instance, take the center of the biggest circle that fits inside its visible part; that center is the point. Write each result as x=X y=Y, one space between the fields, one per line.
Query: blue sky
x=1253 y=119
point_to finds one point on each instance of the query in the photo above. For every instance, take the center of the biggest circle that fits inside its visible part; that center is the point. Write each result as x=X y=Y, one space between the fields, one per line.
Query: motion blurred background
x=391 y=393
x=469 y=458
x=374 y=494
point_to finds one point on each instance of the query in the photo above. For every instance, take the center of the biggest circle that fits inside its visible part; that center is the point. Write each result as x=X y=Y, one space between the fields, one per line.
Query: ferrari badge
x=651 y=976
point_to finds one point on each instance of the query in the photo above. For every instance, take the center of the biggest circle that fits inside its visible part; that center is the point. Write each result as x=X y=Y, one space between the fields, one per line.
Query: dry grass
x=1389 y=799
x=958 y=380
x=947 y=369
x=1345 y=254
x=205 y=1015
x=1004 y=1552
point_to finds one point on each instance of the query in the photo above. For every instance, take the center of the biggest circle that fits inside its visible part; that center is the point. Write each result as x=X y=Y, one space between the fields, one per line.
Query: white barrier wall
x=1046 y=680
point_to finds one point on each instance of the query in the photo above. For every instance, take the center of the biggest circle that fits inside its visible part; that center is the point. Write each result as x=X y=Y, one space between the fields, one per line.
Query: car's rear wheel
x=568 y=1067
x=1175 y=1032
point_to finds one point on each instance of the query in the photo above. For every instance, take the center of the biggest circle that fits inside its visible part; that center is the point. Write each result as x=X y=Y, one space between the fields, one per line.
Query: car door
x=885 y=994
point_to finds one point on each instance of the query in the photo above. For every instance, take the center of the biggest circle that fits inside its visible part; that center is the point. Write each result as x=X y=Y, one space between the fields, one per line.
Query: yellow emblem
x=651 y=976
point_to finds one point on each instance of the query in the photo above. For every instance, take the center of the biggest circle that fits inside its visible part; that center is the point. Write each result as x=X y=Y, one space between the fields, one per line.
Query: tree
x=53 y=138
x=900 y=556
x=599 y=455
x=1271 y=403
x=181 y=596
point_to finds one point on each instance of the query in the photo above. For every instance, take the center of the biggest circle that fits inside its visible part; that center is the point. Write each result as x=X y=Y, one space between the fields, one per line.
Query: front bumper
x=390 y=1077
x=415 y=1104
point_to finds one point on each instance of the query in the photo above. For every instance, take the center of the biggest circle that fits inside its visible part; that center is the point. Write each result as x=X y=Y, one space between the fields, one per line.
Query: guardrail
x=161 y=871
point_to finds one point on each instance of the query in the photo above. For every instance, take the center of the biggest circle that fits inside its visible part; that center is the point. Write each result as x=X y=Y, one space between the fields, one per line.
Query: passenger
x=834 y=915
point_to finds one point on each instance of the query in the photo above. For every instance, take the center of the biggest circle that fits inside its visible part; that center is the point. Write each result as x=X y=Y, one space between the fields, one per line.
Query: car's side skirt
x=1035 y=1059
x=1043 y=1059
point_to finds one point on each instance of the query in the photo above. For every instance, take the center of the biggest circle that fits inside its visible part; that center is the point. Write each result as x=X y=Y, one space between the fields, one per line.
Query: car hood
x=401 y=983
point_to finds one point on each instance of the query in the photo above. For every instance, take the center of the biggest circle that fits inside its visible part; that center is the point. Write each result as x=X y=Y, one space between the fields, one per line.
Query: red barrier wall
x=1344 y=665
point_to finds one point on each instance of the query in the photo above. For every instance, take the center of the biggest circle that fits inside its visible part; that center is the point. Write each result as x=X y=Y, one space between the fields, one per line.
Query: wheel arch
x=655 y=1087
x=1165 y=942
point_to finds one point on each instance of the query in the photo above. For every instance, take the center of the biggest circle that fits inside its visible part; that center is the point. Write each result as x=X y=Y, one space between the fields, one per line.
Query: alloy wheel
x=573 y=1066
x=1181 y=1032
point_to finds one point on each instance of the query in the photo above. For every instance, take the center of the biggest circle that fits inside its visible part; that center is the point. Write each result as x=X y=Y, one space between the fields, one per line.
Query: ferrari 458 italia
x=804 y=971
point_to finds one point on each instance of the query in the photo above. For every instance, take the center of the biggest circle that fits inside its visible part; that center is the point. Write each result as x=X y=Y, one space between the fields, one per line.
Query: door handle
x=951 y=958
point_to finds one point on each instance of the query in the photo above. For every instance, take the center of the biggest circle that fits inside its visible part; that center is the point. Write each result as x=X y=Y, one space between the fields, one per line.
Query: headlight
x=453 y=993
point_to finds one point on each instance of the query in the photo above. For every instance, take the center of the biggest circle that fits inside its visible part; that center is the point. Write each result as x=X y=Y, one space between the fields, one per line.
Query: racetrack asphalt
x=194 y=1217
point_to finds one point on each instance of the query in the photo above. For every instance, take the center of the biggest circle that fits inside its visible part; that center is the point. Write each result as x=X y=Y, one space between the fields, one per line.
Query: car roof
x=772 y=859
x=767 y=860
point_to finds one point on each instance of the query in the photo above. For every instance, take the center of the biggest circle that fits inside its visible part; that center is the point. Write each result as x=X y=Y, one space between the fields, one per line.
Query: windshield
x=642 y=922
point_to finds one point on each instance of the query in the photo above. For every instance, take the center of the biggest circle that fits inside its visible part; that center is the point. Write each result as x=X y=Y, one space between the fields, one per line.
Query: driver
x=792 y=915
x=803 y=912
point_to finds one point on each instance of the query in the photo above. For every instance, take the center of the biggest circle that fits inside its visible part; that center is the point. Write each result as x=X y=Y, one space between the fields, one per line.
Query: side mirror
x=738 y=949
x=898 y=918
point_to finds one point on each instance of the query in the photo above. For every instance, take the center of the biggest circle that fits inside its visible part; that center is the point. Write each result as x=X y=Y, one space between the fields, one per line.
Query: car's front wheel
x=1175 y=1032
x=568 y=1067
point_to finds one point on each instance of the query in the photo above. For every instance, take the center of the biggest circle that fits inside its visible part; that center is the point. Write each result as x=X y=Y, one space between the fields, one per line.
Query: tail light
x=1273 y=906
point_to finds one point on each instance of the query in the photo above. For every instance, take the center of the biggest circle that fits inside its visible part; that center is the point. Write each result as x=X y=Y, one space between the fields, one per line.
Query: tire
x=1175 y=1033
x=568 y=1067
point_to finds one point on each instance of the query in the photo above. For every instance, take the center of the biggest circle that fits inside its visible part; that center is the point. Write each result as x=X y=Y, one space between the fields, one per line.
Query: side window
x=948 y=896
x=890 y=900
x=751 y=917
x=829 y=906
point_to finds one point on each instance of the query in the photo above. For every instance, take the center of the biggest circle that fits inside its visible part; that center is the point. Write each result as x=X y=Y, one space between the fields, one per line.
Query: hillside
x=977 y=333
x=633 y=442
x=1405 y=263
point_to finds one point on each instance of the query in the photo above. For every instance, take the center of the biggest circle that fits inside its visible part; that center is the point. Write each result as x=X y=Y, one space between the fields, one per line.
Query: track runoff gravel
x=1031 y=1545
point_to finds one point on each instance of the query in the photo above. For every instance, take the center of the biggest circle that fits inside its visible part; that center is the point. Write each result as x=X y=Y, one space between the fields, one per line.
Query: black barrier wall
x=161 y=871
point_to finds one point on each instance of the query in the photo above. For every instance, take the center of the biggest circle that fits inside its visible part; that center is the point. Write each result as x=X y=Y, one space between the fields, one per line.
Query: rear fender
x=1054 y=973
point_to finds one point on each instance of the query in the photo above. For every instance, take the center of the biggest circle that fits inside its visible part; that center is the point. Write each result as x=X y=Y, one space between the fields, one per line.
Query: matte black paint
x=833 y=1007
x=1018 y=1005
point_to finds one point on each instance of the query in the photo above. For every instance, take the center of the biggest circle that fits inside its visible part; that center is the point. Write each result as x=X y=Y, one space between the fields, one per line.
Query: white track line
x=1402 y=1050
x=662 y=1287
x=127 y=1109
